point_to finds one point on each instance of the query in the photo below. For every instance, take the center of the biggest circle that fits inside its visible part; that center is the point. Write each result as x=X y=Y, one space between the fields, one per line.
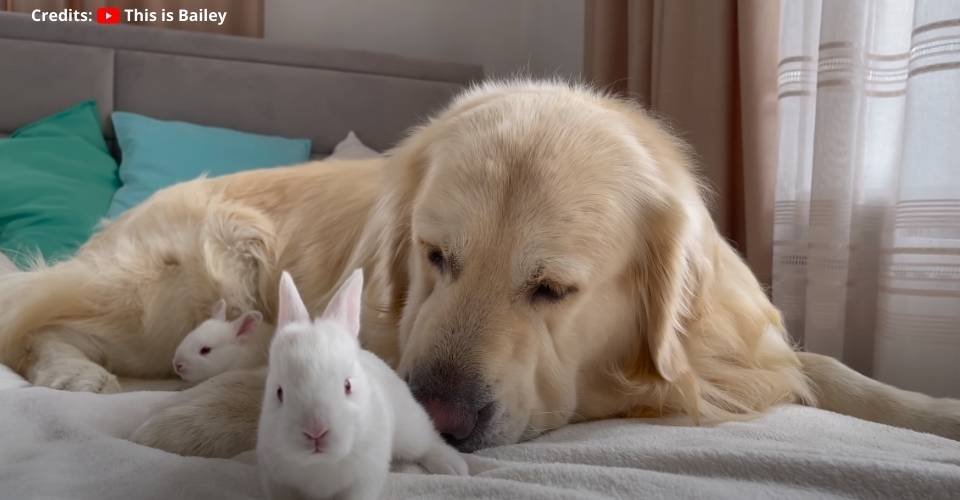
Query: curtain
x=867 y=207
x=244 y=17
x=708 y=68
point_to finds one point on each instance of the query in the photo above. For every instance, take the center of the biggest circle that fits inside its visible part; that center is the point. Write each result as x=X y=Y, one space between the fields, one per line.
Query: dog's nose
x=451 y=419
x=458 y=403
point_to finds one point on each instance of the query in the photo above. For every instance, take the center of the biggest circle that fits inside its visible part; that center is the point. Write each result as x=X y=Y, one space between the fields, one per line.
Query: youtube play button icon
x=108 y=15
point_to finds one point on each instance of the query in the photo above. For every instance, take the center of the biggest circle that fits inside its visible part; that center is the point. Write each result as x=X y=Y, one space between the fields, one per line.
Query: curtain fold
x=709 y=69
x=867 y=216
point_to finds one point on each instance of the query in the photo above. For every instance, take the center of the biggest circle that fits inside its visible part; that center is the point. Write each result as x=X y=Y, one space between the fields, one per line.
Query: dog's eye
x=435 y=256
x=546 y=292
x=204 y=351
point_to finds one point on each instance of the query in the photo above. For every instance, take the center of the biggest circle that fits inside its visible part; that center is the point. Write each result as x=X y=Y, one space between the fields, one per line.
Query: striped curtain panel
x=867 y=206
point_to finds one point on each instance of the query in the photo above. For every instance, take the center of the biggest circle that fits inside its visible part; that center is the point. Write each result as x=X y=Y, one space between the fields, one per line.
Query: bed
x=69 y=445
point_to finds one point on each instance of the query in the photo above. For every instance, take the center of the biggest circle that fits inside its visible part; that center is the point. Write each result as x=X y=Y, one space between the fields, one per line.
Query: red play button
x=108 y=15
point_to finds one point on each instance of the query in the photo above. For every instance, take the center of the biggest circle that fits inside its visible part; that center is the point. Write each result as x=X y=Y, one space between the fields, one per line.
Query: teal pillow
x=157 y=154
x=56 y=182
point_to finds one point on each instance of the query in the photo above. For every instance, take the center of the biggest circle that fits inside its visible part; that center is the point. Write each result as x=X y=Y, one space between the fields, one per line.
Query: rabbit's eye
x=204 y=351
x=280 y=394
x=346 y=387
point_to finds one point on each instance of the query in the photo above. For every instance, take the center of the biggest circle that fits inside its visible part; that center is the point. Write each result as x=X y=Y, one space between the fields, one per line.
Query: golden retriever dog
x=536 y=254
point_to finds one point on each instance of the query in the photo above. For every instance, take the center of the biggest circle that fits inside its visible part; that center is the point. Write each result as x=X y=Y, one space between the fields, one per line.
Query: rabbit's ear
x=344 y=307
x=291 y=308
x=218 y=310
x=247 y=322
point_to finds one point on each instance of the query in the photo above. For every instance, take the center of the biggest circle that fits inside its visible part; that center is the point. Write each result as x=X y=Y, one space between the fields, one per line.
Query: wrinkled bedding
x=58 y=445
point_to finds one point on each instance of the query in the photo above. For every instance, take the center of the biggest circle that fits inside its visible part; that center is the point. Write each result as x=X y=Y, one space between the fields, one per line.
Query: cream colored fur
x=522 y=183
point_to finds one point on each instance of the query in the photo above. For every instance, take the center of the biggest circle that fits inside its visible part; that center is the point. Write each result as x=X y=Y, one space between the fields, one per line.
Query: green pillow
x=56 y=182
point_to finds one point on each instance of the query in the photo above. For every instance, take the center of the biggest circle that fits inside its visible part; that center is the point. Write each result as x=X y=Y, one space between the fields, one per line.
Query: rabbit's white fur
x=320 y=382
x=217 y=345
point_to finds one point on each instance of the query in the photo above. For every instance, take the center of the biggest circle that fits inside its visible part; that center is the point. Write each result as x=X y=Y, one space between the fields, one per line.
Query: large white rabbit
x=334 y=414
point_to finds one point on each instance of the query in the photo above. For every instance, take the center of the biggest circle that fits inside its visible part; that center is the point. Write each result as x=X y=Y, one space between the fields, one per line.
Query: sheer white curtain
x=867 y=219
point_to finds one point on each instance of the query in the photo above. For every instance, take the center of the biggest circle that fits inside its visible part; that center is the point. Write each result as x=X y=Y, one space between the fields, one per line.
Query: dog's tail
x=31 y=300
x=843 y=390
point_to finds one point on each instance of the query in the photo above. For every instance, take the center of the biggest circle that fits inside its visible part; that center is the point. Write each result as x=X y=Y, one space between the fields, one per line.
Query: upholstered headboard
x=245 y=84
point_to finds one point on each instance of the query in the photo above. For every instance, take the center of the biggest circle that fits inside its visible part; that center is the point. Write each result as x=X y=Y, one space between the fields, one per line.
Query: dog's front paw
x=79 y=375
x=187 y=429
x=217 y=418
x=442 y=459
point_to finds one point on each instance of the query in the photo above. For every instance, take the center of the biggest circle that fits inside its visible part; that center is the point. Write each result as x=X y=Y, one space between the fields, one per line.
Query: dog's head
x=540 y=251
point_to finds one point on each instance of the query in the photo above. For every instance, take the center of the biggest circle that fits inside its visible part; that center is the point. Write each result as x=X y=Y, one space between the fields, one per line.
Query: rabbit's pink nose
x=316 y=437
x=315 y=433
x=178 y=367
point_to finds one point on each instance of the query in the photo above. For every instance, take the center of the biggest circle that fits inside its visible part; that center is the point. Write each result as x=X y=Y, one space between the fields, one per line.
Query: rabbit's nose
x=178 y=367
x=315 y=433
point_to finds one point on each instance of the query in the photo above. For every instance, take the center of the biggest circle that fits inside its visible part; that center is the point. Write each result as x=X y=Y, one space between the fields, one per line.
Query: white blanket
x=57 y=445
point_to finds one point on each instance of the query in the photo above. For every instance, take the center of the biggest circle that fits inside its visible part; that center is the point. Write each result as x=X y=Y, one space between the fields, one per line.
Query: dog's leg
x=217 y=418
x=61 y=359
x=843 y=390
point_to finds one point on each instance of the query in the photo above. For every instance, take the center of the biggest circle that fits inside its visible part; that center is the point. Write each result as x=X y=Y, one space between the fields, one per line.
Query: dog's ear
x=666 y=281
x=385 y=245
x=670 y=256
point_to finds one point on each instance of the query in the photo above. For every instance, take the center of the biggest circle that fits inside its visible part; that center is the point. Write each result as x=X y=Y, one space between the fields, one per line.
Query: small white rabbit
x=334 y=414
x=218 y=345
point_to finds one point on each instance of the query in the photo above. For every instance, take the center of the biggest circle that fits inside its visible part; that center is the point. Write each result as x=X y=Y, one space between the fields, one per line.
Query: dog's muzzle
x=458 y=402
